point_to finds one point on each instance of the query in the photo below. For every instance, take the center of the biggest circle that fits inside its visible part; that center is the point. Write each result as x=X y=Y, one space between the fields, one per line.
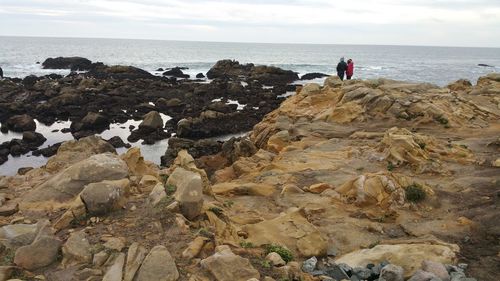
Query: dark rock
x=314 y=75
x=1 y=72
x=49 y=151
x=196 y=149
x=160 y=69
x=176 y=72
x=229 y=68
x=151 y=122
x=72 y=63
x=485 y=65
x=120 y=72
x=200 y=76
x=33 y=139
x=20 y=123
x=92 y=122
x=222 y=107
x=362 y=273
x=29 y=81
x=117 y=142
x=337 y=272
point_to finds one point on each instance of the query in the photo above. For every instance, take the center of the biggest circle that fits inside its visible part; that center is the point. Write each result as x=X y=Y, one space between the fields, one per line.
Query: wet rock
x=72 y=63
x=392 y=272
x=200 y=76
x=21 y=123
x=437 y=269
x=104 y=197
x=33 y=139
x=41 y=253
x=30 y=80
x=224 y=265
x=117 y=142
x=94 y=122
x=314 y=75
x=175 y=72
x=49 y=151
x=189 y=191
x=76 y=250
x=158 y=265
x=63 y=187
x=151 y=121
x=135 y=256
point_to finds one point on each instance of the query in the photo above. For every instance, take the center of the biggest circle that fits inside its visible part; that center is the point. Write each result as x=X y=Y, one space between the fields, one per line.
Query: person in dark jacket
x=350 y=69
x=1 y=73
x=341 y=68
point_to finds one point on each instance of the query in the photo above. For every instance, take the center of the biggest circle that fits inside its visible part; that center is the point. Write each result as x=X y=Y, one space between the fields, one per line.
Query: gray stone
x=158 y=265
x=135 y=256
x=106 y=196
x=421 y=275
x=309 y=265
x=100 y=258
x=392 y=272
x=115 y=271
x=437 y=269
x=337 y=272
x=76 y=250
x=362 y=273
x=189 y=191
x=42 y=252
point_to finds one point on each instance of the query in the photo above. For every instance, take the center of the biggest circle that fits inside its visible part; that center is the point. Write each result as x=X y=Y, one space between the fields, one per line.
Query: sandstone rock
x=137 y=165
x=104 y=197
x=318 y=188
x=76 y=211
x=9 y=208
x=151 y=121
x=76 y=250
x=66 y=185
x=436 y=268
x=224 y=265
x=114 y=243
x=194 y=248
x=6 y=272
x=100 y=258
x=291 y=230
x=158 y=265
x=135 y=256
x=157 y=194
x=74 y=151
x=21 y=123
x=275 y=259
x=115 y=271
x=17 y=235
x=392 y=272
x=148 y=182
x=42 y=252
x=408 y=256
x=186 y=161
x=189 y=191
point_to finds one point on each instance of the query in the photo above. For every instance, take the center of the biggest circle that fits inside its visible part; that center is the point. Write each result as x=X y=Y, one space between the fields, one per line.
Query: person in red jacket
x=350 y=69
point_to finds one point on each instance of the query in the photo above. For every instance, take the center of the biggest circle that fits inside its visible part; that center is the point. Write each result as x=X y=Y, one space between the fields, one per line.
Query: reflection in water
x=54 y=135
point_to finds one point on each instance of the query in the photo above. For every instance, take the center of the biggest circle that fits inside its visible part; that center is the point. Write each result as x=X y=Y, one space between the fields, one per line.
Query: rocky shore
x=356 y=180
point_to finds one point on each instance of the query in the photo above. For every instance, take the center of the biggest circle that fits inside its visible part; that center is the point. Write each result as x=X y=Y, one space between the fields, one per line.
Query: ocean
x=438 y=65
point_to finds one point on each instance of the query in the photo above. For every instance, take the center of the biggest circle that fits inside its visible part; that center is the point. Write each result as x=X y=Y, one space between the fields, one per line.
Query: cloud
x=286 y=17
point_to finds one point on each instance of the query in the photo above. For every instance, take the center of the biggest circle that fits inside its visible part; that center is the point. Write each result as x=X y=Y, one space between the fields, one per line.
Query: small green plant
x=415 y=193
x=284 y=253
x=422 y=145
x=228 y=203
x=442 y=120
x=170 y=189
x=265 y=264
x=390 y=166
x=216 y=210
x=246 y=245
x=164 y=178
x=8 y=257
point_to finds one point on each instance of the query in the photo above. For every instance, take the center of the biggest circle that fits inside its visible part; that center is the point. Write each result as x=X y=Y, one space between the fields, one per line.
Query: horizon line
x=245 y=42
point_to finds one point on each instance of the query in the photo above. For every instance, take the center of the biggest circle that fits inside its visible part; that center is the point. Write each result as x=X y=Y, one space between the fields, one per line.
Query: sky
x=474 y=23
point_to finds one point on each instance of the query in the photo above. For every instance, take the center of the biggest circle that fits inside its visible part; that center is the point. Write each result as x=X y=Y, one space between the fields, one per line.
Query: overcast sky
x=393 y=22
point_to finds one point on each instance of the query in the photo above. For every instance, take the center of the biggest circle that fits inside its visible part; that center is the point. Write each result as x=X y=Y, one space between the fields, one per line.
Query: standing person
x=341 y=68
x=1 y=73
x=350 y=69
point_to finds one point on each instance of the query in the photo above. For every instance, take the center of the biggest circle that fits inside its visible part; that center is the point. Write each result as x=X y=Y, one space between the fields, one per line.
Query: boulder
x=200 y=75
x=158 y=265
x=437 y=269
x=292 y=230
x=275 y=259
x=117 y=142
x=92 y=121
x=224 y=265
x=21 y=123
x=157 y=194
x=408 y=256
x=14 y=236
x=72 y=63
x=151 y=121
x=63 y=187
x=392 y=272
x=33 y=139
x=77 y=249
x=176 y=72
x=74 y=151
x=313 y=75
x=104 y=197
x=41 y=253
x=135 y=255
x=189 y=191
